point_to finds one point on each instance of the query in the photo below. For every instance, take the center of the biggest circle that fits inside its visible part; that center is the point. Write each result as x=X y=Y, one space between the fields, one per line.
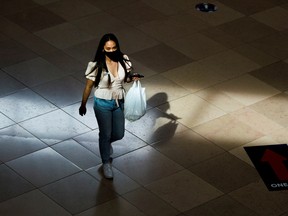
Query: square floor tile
x=161 y=58
x=139 y=67
x=89 y=140
x=121 y=183
x=36 y=18
x=224 y=64
x=65 y=62
x=156 y=125
x=117 y=206
x=274 y=75
x=77 y=154
x=274 y=108
x=256 y=197
x=173 y=28
x=8 y=84
x=139 y=13
x=44 y=2
x=66 y=9
x=86 y=193
x=256 y=120
x=285 y=5
x=248 y=7
x=3 y=37
x=188 y=148
x=247 y=90
x=108 y=24
x=187 y=19
x=246 y=29
x=160 y=90
x=146 y=165
x=16 y=142
x=64 y=35
x=83 y=52
x=278 y=2
x=80 y=76
x=61 y=92
x=9 y=27
x=197 y=46
x=31 y=104
x=170 y=7
x=279 y=21
x=193 y=77
x=5 y=121
x=279 y=136
x=275 y=45
x=35 y=71
x=104 y=5
x=33 y=42
x=26 y=38
x=223 y=205
x=32 y=203
x=12 y=184
x=285 y=214
x=255 y=55
x=134 y=40
x=184 y=190
x=225 y=172
x=222 y=37
x=129 y=143
x=89 y=119
x=219 y=99
x=192 y=110
x=227 y=132
x=58 y=126
x=12 y=6
x=12 y=52
x=150 y=203
x=43 y=167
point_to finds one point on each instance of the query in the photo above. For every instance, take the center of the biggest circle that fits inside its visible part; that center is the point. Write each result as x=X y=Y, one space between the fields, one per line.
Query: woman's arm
x=86 y=94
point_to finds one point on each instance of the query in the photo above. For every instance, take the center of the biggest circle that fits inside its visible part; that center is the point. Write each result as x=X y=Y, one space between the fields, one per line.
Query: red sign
x=271 y=162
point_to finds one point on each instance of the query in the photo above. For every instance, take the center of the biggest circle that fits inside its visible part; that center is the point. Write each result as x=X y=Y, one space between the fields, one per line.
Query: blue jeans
x=111 y=122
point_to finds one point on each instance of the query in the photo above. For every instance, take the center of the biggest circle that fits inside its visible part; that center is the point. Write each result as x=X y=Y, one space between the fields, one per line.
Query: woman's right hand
x=82 y=110
x=88 y=87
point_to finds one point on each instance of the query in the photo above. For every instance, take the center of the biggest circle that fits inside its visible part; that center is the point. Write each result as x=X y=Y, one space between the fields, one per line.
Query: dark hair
x=100 y=57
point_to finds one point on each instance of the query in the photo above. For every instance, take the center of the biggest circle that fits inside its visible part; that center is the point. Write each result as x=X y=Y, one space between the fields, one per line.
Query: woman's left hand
x=135 y=78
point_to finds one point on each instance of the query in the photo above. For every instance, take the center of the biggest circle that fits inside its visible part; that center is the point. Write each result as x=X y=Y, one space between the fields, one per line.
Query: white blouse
x=104 y=91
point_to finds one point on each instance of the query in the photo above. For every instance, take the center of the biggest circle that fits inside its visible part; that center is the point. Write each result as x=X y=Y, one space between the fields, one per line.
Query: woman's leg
x=103 y=111
x=118 y=122
x=111 y=122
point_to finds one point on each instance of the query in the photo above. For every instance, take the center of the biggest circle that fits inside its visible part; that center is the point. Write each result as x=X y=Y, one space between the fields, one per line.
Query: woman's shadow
x=167 y=130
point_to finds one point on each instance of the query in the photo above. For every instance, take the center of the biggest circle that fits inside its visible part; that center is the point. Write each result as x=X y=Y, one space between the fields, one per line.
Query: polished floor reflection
x=215 y=83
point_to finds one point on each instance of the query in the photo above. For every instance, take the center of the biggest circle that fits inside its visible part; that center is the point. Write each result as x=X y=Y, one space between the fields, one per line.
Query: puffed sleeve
x=90 y=73
x=128 y=63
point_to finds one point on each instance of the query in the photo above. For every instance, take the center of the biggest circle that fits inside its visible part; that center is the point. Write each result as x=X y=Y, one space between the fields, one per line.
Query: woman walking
x=107 y=73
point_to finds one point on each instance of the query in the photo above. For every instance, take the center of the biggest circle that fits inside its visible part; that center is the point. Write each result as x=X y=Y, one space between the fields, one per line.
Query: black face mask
x=114 y=56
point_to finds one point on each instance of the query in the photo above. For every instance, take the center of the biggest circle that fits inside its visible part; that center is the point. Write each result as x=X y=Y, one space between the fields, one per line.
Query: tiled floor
x=215 y=82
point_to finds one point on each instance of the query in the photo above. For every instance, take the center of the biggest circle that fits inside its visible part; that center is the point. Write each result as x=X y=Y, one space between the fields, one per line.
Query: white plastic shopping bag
x=135 y=102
